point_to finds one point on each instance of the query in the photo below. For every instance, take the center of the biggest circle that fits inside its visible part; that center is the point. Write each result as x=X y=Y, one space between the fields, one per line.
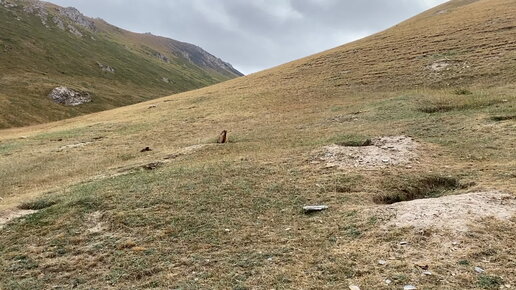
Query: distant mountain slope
x=43 y=46
x=461 y=42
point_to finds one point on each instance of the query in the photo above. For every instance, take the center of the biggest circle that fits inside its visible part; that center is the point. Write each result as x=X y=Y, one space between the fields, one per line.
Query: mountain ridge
x=43 y=46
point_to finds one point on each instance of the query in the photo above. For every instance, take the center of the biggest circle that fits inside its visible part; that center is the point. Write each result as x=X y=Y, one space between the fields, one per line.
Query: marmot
x=223 y=137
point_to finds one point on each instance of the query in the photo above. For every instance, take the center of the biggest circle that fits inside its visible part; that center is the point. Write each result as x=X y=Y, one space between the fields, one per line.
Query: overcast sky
x=254 y=35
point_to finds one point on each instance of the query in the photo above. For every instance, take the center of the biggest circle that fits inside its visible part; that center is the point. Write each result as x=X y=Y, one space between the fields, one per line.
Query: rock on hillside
x=78 y=18
x=69 y=97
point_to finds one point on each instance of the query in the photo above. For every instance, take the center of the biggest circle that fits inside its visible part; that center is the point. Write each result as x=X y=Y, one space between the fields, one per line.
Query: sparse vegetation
x=463 y=92
x=7 y=148
x=459 y=102
x=489 y=282
x=37 y=204
x=353 y=140
x=503 y=118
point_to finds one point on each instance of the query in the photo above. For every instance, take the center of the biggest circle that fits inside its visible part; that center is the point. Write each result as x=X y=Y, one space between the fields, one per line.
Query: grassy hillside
x=193 y=214
x=36 y=57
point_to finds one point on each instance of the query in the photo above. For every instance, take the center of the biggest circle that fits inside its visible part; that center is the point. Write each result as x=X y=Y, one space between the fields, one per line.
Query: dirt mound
x=382 y=152
x=453 y=212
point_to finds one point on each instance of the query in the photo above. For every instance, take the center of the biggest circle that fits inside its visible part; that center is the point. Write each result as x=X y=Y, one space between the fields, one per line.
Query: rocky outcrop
x=74 y=30
x=78 y=18
x=58 y=22
x=106 y=68
x=161 y=57
x=7 y=4
x=69 y=97
x=37 y=8
x=202 y=58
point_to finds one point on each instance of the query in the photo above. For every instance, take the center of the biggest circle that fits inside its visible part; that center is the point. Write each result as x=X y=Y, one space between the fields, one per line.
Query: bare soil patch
x=380 y=152
x=455 y=212
x=73 y=146
x=95 y=224
x=11 y=214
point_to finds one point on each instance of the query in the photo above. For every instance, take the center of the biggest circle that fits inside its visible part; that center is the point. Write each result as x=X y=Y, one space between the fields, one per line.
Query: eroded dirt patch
x=12 y=214
x=156 y=163
x=447 y=65
x=187 y=150
x=73 y=146
x=94 y=222
x=454 y=212
x=382 y=152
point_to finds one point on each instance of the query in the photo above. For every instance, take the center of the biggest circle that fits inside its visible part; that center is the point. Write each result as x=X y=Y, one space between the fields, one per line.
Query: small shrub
x=399 y=279
x=125 y=156
x=463 y=92
x=503 y=118
x=372 y=220
x=489 y=282
x=436 y=108
x=37 y=204
x=354 y=141
x=417 y=188
x=352 y=231
x=86 y=203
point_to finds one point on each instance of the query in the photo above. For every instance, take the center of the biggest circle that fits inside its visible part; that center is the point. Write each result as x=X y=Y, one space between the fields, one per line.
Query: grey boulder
x=69 y=97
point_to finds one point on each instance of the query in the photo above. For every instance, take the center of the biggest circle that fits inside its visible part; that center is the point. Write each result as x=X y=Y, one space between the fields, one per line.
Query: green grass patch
x=341 y=183
x=352 y=231
x=489 y=282
x=7 y=148
x=446 y=54
x=65 y=134
x=461 y=101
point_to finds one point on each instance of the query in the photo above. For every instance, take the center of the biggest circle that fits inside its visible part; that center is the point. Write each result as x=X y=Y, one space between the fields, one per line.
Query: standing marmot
x=223 y=137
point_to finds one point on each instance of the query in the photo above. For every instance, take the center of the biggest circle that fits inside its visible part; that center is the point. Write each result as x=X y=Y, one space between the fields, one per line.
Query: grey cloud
x=255 y=34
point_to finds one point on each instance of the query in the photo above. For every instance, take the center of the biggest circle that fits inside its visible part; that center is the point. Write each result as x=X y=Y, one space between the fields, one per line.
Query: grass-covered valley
x=434 y=209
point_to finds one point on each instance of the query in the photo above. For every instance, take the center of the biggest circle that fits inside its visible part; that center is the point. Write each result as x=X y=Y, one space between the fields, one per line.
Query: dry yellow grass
x=229 y=216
